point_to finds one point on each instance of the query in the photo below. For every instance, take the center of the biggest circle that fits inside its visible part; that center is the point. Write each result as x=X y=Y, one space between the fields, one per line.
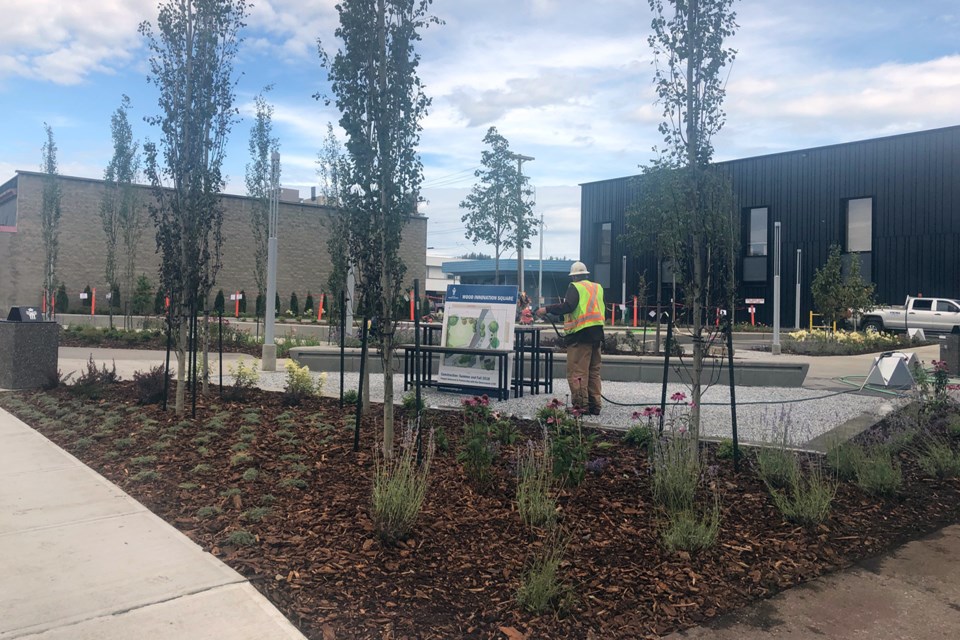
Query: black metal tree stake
x=733 y=396
x=666 y=370
x=359 y=413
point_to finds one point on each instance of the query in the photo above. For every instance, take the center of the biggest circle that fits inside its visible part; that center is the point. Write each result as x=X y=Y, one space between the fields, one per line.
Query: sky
x=568 y=82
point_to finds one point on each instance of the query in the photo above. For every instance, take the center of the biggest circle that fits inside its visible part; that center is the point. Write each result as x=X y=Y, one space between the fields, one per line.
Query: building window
x=606 y=242
x=757 y=231
x=859 y=229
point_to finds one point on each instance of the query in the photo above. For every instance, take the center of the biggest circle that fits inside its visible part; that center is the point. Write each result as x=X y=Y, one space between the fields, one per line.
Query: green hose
x=869 y=387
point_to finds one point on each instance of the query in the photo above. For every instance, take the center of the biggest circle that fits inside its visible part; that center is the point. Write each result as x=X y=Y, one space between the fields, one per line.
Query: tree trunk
x=386 y=268
x=697 y=372
x=182 y=340
x=206 y=351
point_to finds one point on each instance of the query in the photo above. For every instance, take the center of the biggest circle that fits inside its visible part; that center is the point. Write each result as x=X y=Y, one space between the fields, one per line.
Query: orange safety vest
x=589 y=311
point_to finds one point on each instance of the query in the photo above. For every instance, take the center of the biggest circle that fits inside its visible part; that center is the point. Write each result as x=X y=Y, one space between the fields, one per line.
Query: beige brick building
x=303 y=262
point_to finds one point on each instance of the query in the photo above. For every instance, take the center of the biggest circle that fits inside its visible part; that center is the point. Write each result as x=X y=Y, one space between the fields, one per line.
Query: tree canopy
x=499 y=208
x=191 y=65
x=381 y=101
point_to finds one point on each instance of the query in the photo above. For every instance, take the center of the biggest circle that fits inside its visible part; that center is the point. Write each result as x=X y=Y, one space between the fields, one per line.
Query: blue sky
x=566 y=81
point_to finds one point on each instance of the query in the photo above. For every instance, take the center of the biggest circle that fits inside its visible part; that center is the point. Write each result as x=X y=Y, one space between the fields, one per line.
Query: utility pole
x=520 y=240
x=269 y=353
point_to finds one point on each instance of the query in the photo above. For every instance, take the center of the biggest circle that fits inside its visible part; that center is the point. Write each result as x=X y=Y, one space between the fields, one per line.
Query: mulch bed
x=317 y=558
x=157 y=344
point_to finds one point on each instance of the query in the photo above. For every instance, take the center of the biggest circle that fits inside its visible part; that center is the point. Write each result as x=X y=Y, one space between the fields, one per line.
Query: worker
x=582 y=309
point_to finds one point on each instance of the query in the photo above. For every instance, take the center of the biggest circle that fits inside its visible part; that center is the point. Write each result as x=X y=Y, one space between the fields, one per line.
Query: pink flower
x=693 y=404
x=636 y=415
x=682 y=430
x=679 y=396
x=550 y=420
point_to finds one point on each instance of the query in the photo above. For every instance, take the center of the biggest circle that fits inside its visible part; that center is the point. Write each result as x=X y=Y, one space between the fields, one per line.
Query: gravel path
x=808 y=413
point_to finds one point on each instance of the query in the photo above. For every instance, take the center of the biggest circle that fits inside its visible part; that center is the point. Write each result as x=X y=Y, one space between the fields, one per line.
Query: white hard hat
x=578 y=269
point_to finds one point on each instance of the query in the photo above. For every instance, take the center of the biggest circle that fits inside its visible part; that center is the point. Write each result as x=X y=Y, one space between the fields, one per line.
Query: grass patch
x=147 y=475
x=251 y=474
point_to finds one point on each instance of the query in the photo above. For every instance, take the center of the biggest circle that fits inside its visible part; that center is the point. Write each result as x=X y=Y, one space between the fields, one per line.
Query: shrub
x=256 y=514
x=776 y=464
x=147 y=475
x=350 y=397
x=244 y=379
x=725 y=450
x=877 y=473
x=639 y=436
x=151 y=385
x=409 y=402
x=688 y=531
x=251 y=474
x=299 y=384
x=208 y=512
x=399 y=488
x=440 y=439
x=676 y=468
x=953 y=426
x=777 y=467
x=844 y=459
x=478 y=453
x=569 y=445
x=141 y=461
x=504 y=431
x=541 y=587
x=241 y=538
x=294 y=483
x=807 y=500
x=93 y=382
x=938 y=459
x=534 y=480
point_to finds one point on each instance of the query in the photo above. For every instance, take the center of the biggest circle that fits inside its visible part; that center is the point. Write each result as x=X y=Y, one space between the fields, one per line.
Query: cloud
x=64 y=42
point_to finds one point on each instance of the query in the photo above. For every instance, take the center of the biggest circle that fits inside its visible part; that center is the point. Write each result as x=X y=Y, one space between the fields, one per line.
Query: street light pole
x=540 y=281
x=269 y=353
x=520 y=160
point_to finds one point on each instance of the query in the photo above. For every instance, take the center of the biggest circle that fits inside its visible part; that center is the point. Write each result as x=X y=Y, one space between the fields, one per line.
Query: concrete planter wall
x=616 y=368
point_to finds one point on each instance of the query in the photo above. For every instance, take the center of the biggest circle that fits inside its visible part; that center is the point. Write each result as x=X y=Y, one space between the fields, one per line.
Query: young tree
x=837 y=297
x=381 y=101
x=191 y=64
x=142 y=295
x=689 y=202
x=50 y=217
x=330 y=168
x=119 y=209
x=258 y=177
x=499 y=208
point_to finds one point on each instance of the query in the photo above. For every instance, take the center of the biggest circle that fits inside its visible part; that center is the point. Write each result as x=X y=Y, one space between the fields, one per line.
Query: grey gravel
x=817 y=412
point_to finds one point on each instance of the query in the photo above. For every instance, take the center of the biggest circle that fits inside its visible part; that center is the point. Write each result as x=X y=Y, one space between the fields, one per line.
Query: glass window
x=860 y=225
x=946 y=306
x=922 y=305
x=606 y=242
x=757 y=231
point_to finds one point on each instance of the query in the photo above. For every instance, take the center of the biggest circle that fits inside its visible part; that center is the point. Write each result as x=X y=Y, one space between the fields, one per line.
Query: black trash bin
x=950 y=352
x=28 y=349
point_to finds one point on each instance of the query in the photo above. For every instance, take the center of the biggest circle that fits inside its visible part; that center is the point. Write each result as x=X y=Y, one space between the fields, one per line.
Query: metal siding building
x=894 y=200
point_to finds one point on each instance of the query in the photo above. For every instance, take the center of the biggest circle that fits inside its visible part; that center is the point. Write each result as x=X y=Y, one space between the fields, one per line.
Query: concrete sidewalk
x=81 y=560
x=912 y=593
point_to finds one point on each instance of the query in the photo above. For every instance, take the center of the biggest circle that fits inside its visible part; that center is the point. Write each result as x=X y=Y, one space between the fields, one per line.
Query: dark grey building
x=893 y=201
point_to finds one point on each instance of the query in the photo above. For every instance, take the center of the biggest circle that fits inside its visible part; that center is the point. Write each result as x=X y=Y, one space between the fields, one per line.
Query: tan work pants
x=583 y=375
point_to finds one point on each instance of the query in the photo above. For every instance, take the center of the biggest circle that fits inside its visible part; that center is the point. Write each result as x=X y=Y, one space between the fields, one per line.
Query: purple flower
x=679 y=396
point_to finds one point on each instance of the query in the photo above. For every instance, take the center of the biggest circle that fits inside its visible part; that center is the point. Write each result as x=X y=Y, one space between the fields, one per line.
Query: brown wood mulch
x=317 y=558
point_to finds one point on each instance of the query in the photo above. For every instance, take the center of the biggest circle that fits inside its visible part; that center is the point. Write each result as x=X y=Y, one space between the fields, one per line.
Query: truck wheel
x=873 y=326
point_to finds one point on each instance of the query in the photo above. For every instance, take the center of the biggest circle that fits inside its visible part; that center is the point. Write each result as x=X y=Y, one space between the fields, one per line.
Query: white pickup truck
x=937 y=315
